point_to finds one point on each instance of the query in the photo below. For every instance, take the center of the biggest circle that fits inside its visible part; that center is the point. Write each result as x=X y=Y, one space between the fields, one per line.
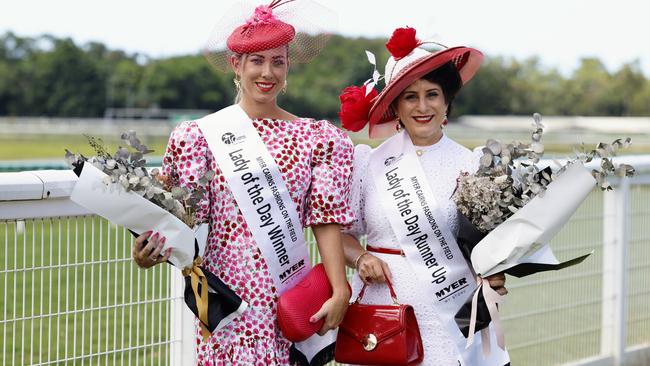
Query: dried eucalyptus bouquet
x=119 y=188
x=512 y=207
x=510 y=176
x=127 y=167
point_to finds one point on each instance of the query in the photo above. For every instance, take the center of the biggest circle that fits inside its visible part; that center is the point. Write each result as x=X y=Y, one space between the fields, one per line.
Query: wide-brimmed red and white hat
x=408 y=62
x=304 y=25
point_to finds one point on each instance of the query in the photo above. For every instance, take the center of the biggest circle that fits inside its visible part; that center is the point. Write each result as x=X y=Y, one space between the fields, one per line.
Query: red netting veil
x=304 y=25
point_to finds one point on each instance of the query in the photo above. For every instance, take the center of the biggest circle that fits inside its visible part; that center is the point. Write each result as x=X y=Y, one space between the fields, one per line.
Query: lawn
x=24 y=147
x=55 y=307
x=73 y=293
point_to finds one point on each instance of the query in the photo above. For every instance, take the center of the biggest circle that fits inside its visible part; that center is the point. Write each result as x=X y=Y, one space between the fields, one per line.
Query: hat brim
x=466 y=59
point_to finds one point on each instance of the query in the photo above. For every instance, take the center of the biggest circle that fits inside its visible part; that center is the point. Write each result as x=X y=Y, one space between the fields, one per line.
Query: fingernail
x=169 y=250
x=154 y=236
x=147 y=233
x=312 y=320
x=163 y=240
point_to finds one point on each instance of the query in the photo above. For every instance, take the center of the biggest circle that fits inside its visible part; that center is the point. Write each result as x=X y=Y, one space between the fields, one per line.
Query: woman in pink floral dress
x=314 y=159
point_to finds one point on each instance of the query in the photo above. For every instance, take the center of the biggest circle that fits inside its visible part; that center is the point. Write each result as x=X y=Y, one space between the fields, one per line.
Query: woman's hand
x=328 y=238
x=333 y=310
x=372 y=269
x=149 y=254
x=498 y=282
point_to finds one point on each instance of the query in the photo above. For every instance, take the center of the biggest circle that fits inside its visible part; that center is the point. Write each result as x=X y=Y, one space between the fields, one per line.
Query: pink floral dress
x=315 y=159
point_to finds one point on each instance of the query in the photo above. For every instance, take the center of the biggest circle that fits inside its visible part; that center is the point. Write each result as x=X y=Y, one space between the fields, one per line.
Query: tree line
x=55 y=77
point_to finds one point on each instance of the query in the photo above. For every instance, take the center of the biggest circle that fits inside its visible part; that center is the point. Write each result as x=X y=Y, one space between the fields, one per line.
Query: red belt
x=370 y=248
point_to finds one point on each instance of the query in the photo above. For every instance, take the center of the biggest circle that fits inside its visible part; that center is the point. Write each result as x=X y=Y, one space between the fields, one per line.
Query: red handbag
x=299 y=303
x=379 y=334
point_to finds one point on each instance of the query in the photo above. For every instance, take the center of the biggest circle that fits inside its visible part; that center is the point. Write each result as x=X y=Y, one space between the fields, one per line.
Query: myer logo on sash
x=261 y=194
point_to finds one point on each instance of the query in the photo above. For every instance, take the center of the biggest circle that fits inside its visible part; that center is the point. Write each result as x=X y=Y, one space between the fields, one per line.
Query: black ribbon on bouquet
x=209 y=298
x=468 y=237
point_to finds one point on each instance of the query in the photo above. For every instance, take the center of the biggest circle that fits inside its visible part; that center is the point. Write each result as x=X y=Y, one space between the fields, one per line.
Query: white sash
x=428 y=243
x=260 y=192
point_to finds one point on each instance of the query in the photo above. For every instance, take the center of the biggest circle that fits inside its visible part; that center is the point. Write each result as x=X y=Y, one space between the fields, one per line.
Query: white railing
x=71 y=294
x=70 y=291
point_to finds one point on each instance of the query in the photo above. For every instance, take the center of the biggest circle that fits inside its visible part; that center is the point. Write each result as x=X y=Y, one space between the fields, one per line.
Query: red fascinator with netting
x=304 y=25
x=262 y=31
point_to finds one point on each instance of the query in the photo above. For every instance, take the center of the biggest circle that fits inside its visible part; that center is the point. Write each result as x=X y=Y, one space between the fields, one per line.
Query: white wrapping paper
x=524 y=237
x=138 y=214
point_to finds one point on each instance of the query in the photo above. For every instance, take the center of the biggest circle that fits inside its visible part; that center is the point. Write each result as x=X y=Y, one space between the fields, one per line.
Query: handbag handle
x=390 y=288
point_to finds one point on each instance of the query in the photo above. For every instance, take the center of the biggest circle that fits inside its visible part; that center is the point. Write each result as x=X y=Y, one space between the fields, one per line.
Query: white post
x=615 y=248
x=183 y=347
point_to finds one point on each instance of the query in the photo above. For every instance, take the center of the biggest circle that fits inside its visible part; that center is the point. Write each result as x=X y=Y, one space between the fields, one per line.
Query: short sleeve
x=331 y=171
x=186 y=160
x=357 y=194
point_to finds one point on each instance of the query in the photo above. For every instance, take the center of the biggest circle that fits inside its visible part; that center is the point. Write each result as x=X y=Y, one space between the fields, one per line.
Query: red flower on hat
x=355 y=106
x=402 y=42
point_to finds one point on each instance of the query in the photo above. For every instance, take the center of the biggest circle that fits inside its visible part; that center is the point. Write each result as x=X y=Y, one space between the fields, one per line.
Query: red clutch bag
x=299 y=303
x=379 y=334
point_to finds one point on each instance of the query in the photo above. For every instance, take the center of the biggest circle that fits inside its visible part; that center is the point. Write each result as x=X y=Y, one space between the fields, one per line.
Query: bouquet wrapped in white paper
x=510 y=209
x=523 y=237
x=120 y=189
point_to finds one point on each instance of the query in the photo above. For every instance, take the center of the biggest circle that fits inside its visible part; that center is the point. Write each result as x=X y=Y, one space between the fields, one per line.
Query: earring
x=444 y=123
x=237 y=83
x=284 y=88
x=398 y=127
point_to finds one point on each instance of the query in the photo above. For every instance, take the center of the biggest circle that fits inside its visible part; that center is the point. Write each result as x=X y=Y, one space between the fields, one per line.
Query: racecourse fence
x=71 y=294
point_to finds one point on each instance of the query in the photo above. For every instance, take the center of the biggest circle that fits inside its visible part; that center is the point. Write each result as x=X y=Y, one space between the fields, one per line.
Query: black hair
x=449 y=80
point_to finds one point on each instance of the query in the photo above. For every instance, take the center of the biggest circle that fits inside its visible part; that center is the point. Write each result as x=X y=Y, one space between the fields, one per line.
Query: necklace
x=419 y=150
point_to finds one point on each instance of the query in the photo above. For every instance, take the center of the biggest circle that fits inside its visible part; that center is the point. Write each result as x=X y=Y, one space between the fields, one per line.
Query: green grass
x=570 y=331
x=54 y=297
x=556 y=143
x=23 y=147
x=537 y=336
x=549 y=318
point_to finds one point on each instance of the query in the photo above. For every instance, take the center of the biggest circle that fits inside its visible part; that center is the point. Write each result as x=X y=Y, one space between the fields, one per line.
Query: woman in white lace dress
x=420 y=87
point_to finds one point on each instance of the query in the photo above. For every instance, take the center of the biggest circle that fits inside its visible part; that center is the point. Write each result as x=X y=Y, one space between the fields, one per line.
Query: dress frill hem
x=244 y=352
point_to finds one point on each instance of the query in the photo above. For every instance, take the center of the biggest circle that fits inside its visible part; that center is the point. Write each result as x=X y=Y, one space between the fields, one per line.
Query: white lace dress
x=442 y=163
